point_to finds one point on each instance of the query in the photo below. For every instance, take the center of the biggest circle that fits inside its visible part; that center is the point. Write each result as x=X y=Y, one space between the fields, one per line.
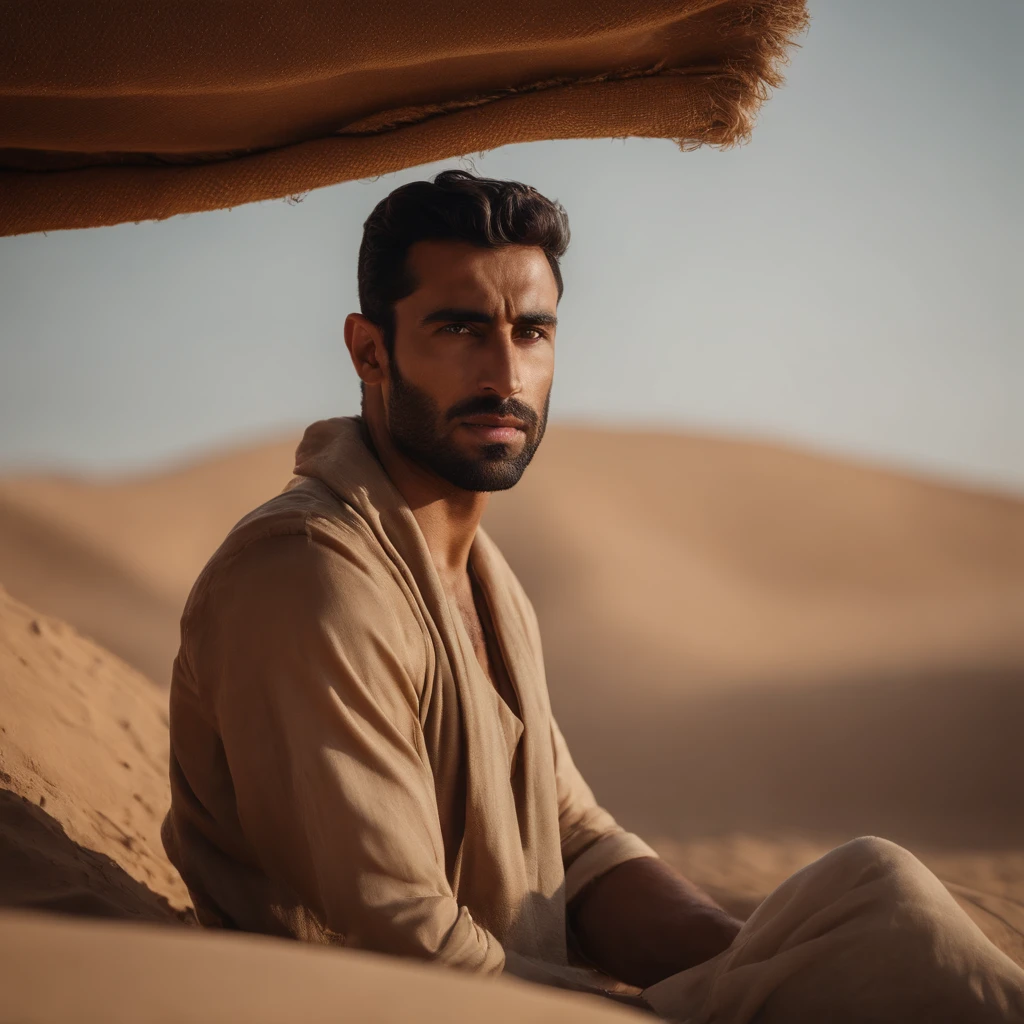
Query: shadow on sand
x=42 y=868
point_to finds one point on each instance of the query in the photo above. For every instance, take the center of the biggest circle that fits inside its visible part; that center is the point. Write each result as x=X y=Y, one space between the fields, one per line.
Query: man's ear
x=365 y=342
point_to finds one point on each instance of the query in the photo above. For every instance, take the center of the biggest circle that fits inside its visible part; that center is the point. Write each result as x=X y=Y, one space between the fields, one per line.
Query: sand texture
x=83 y=776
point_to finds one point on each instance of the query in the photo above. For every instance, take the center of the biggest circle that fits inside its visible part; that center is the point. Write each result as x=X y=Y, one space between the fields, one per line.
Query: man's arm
x=642 y=921
x=312 y=680
x=632 y=916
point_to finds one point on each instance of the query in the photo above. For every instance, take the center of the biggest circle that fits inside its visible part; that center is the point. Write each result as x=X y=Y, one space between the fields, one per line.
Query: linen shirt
x=342 y=769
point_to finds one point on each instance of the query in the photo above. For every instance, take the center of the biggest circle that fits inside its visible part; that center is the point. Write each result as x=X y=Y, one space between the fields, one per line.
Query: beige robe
x=342 y=769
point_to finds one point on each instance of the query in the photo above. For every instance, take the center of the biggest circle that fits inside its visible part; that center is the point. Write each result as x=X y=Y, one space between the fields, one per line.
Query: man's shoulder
x=306 y=508
x=304 y=572
x=298 y=538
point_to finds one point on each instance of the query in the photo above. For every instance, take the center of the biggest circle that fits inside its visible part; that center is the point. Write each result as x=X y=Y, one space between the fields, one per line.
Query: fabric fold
x=134 y=110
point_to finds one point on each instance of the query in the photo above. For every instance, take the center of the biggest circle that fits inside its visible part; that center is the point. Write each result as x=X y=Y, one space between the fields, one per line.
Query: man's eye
x=535 y=335
x=455 y=328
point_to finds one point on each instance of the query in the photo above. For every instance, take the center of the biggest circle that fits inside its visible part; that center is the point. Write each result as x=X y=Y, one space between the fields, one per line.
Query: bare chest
x=480 y=628
x=471 y=619
x=474 y=611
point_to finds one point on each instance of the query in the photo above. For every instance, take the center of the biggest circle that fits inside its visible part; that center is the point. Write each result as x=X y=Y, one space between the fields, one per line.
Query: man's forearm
x=643 y=921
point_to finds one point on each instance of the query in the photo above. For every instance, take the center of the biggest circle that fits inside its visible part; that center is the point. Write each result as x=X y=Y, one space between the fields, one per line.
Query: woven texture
x=141 y=109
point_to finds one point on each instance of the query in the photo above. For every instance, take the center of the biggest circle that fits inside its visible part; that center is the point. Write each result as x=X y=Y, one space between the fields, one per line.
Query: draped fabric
x=140 y=109
x=342 y=770
x=864 y=934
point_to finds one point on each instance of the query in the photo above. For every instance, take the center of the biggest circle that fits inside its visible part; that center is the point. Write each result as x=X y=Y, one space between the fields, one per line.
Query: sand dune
x=714 y=561
x=738 y=636
x=117 y=559
x=83 y=776
x=127 y=974
x=52 y=568
x=755 y=653
x=699 y=560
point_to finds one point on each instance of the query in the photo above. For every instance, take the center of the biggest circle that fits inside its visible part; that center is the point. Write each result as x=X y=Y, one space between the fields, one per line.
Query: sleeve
x=306 y=667
x=592 y=842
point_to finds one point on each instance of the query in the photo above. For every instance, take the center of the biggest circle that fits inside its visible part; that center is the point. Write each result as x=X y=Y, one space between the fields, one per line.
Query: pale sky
x=849 y=280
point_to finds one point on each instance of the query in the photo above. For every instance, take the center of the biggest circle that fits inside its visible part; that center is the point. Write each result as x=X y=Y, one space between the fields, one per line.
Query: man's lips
x=495 y=428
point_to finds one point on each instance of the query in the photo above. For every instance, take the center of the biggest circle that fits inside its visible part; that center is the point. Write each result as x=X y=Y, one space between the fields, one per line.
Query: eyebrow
x=452 y=314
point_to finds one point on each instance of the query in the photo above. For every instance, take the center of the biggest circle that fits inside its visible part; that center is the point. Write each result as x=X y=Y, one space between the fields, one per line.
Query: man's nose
x=500 y=369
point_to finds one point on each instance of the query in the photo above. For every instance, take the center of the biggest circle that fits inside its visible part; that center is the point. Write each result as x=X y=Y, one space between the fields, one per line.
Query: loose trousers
x=864 y=935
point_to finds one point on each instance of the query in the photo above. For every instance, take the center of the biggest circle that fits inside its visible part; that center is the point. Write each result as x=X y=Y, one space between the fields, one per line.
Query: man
x=363 y=751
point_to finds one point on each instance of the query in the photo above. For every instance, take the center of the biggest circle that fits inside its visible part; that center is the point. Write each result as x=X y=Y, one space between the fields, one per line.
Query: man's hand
x=643 y=921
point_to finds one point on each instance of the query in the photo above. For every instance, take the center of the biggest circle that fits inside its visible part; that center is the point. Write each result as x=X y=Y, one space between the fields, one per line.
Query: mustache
x=491 y=405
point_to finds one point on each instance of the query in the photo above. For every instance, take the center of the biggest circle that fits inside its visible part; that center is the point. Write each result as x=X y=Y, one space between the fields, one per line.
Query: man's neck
x=447 y=515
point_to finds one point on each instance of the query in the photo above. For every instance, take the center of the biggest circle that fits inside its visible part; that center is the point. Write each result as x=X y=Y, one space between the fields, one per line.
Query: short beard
x=412 y=419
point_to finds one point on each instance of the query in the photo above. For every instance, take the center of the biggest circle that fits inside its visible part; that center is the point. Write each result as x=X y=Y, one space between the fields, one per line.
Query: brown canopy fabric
x=129 y=110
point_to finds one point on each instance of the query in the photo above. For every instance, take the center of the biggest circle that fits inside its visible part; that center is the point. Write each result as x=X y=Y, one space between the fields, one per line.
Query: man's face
x=474 y=356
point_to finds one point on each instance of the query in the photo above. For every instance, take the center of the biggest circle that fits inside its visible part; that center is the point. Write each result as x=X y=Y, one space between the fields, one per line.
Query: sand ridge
x=709 y=559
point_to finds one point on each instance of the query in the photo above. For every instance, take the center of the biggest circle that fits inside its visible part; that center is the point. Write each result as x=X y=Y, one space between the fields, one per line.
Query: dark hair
x=455 y=205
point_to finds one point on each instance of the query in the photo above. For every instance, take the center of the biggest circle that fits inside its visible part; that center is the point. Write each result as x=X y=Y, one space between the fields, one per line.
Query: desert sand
x=108 y=973
x=755 y=653
x=83 y=777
